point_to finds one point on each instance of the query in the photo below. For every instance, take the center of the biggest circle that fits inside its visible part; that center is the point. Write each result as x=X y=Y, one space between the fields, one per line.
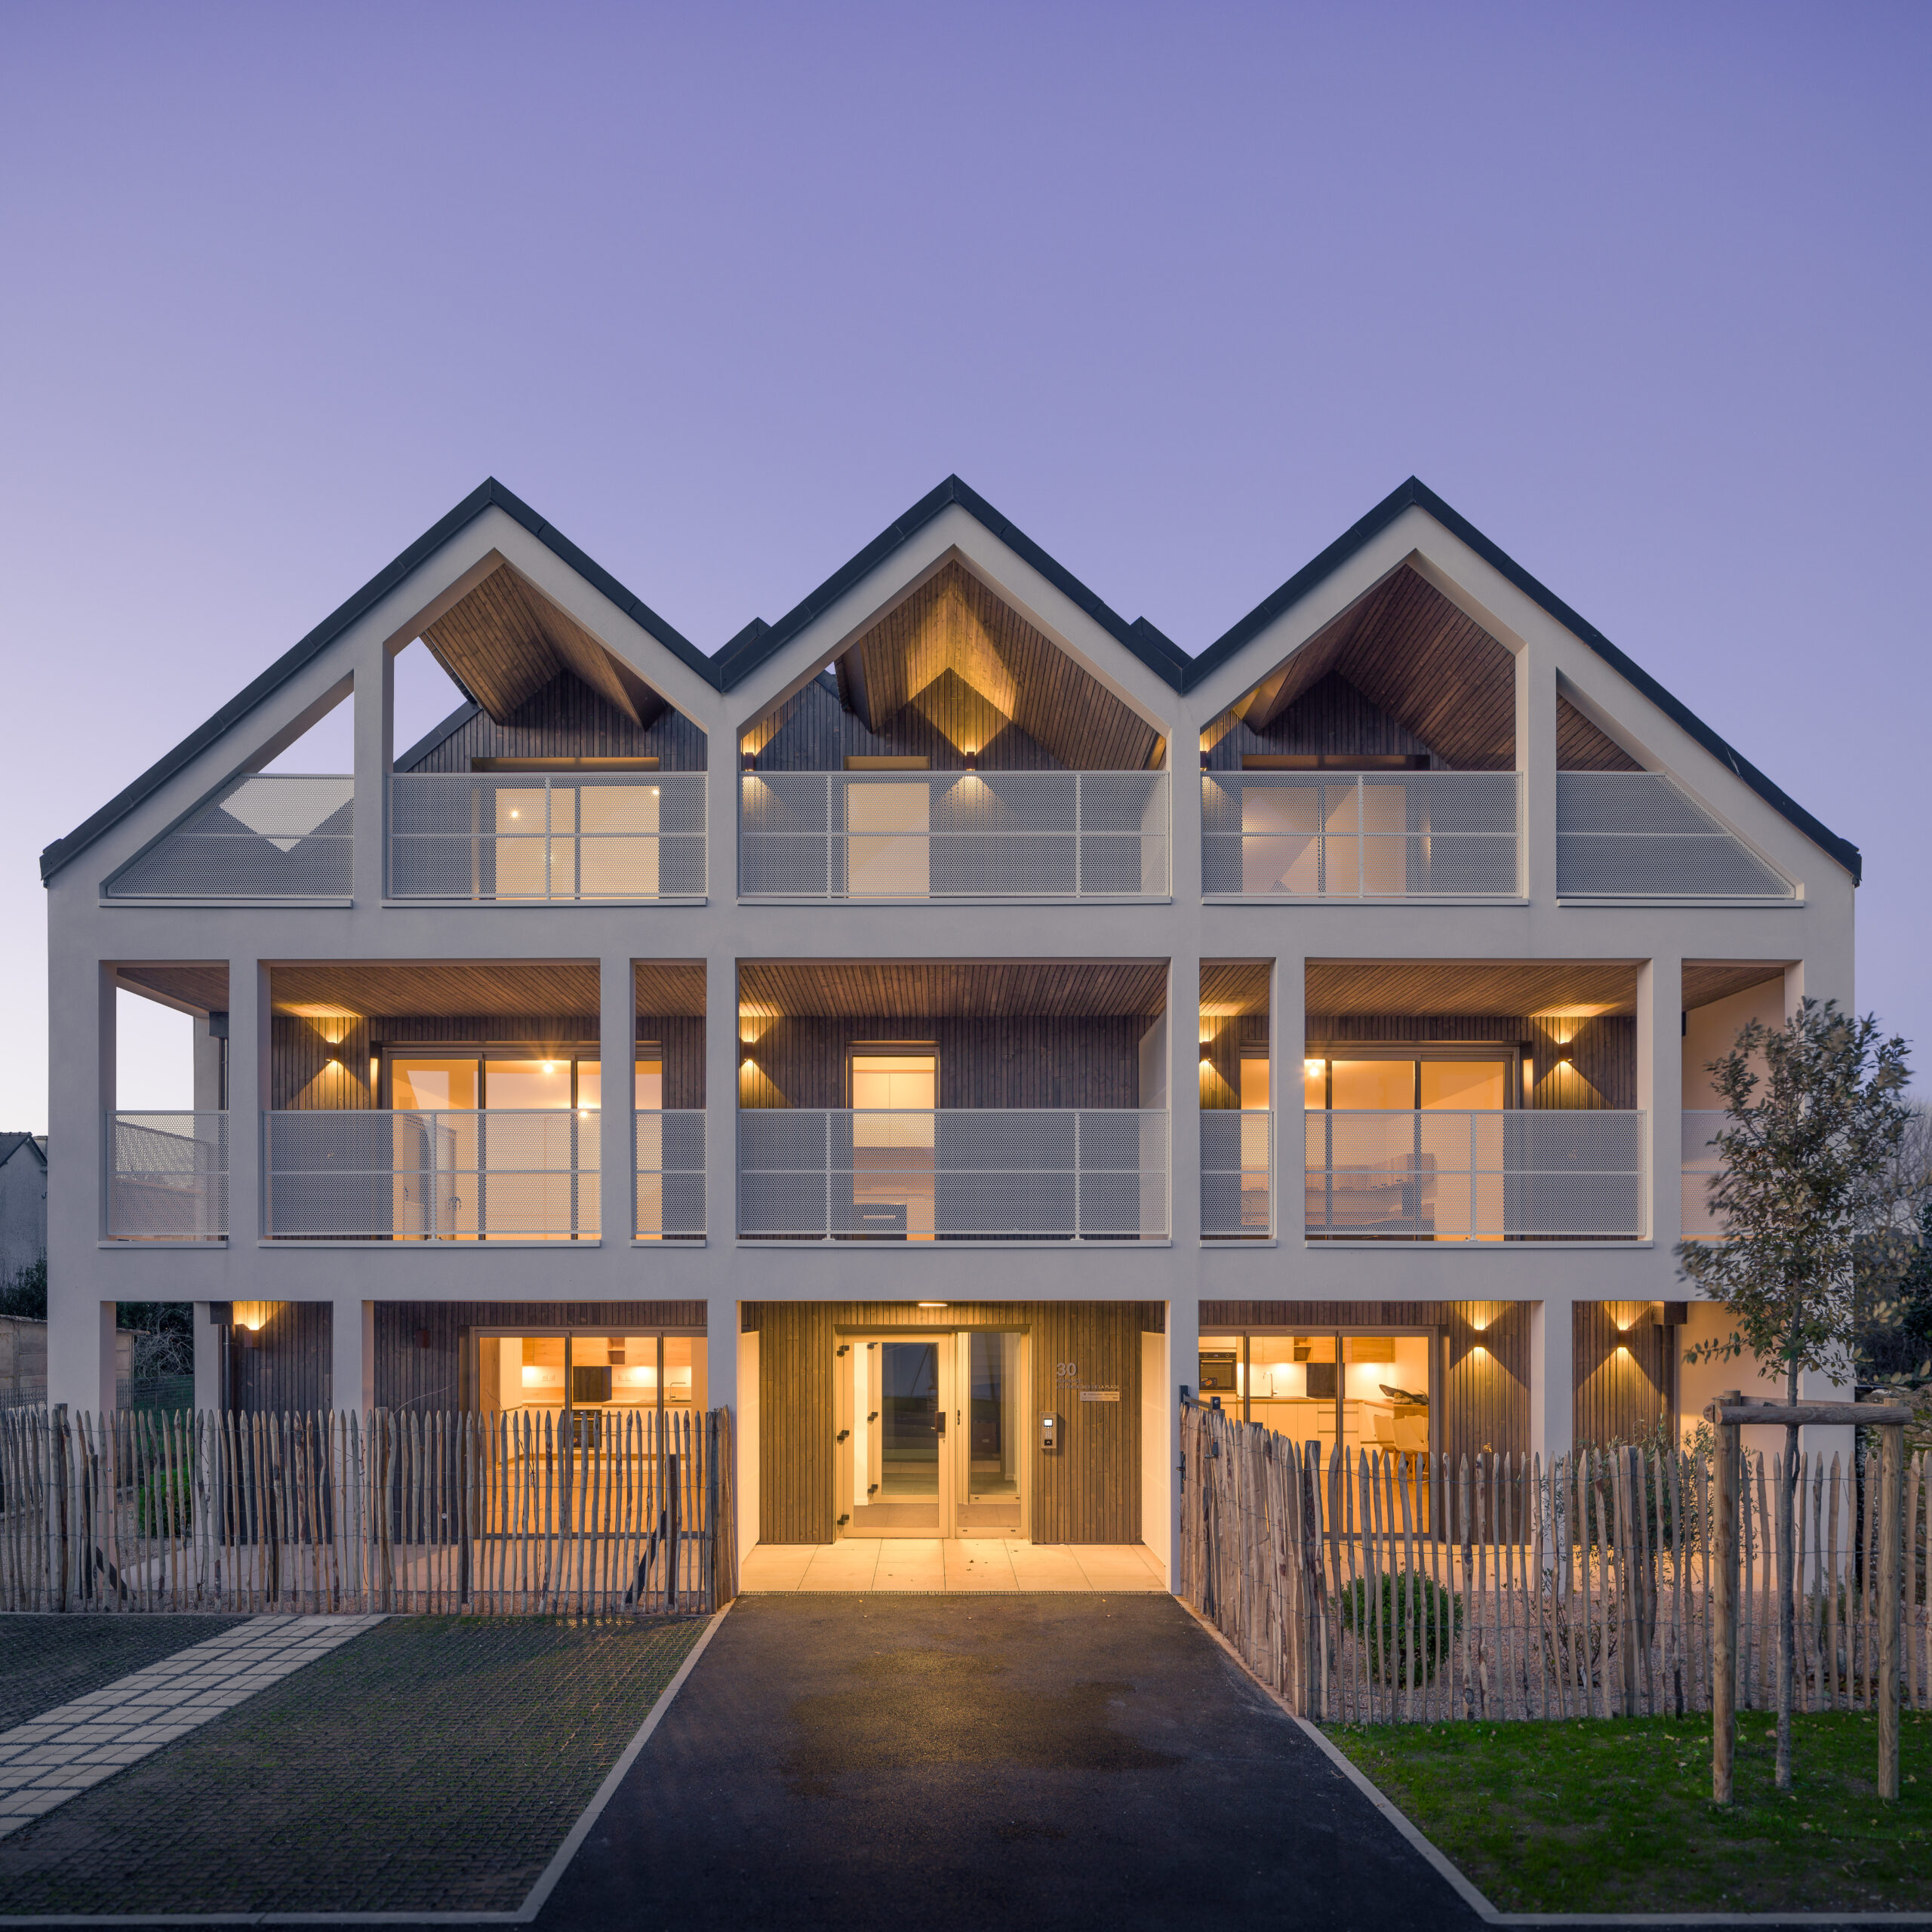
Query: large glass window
x=1331 y=1386
x=558 y=1369
x=1408 y=1082
x=534 y=1079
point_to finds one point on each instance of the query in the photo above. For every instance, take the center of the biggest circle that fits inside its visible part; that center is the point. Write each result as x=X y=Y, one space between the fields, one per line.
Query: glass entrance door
x=930 y=1435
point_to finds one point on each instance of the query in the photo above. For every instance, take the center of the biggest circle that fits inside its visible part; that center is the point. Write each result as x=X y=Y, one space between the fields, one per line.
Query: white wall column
x=616 y=1055
x=375 y=705
x=721 y=1055
x=1184 y=1106
x=1536 y=760
x=352 y=1355
x=1287 y=1049
x=1553 y=1379
x=80 y=1326
x=1661 y=1093
x=1793 y=990
x=1183 y=1371
x=720 y=1352
x=250 y=1067
x=208 y=1339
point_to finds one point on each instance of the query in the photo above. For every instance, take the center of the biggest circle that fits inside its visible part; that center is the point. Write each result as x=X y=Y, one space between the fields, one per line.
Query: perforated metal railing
x=499 y=1174
x=269 y=836
x=953 y=834
x=523 y=838
x=1374 y=835
x=167 y=1176
x=1635 y=834
x=668 y=1203
x=1701 y=1160
x=1458 y=1175
x=1237 y=1173
x=808 y=1173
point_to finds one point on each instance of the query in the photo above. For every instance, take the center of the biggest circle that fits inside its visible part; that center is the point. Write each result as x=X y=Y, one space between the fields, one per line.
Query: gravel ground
x=46 y=1661
x=434 y=1764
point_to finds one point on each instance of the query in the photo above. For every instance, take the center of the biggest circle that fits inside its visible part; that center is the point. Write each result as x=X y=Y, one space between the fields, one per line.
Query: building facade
x=1026 y=1022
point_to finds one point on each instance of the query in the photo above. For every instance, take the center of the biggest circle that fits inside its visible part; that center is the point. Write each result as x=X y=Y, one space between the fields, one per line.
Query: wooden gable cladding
x=1412 y=654
x=953 y=623
x=929 y=989
x=1580 y=746
x=1088 y=1491
x=1331 y=716
x=1484 y=1364
x=505 y=641
x=812 y=731
x=567 y=718
x=1472 y=986
x=1621 y=1368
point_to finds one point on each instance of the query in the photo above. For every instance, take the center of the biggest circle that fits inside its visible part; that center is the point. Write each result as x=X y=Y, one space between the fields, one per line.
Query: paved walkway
x=960 y=1563
x=76 y=1746
x=1051 y=1762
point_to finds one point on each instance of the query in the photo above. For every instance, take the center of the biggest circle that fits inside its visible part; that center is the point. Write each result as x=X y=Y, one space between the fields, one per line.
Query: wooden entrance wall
x=1088 y=1491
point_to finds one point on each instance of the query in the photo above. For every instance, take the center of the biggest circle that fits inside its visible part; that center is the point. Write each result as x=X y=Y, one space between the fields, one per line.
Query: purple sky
x=1183 y=291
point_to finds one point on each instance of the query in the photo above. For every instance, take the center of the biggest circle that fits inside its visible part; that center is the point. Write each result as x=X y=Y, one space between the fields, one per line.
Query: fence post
x=1891 y=1528
x=1724 y=1606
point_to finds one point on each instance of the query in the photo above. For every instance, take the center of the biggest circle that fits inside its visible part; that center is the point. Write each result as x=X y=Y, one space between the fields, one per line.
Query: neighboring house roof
x=754 y=645
x=10 y=1144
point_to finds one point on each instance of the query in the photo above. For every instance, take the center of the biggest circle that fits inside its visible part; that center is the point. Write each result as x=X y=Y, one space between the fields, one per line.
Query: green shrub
x=1416 y=1614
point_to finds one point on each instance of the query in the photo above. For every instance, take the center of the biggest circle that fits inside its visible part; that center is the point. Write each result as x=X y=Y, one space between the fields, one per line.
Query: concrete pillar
x=617 y=1052
x=1536 y=760
x=80 y=1326
x=1183 y=1371
x=1287 y=1049
x=249 y=1069
x=1793 y=990
x=1184 y=1106
x=375 y=705
x=720 y=1352
x=1661 y=1093
x=208 y=1343
x=722 y=1052
x=1553 y=1379
x=352 y=1355
x=210 y=1041
x=745 y=1419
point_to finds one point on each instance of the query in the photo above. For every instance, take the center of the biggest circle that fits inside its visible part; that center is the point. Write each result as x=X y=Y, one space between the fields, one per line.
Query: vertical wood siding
x=802 y=1062
x=290 y=1366
x=567 y=719
x=1333 y=717
x=1088 y=1492
x=812 y=731
x=1619 y=1396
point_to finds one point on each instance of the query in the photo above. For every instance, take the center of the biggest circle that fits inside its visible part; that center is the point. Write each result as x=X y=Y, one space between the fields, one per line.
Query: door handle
x=939 y=1422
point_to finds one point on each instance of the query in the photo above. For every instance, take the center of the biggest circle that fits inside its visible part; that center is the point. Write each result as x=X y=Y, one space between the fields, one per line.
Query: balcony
x=167 y=1176
x=953 y=834
x=259 y=837
x=499 y=1174
x=1623 y=835
x=1360 y=836
x=1449 y=1175
x=669 y=1150
x=958 y=1174
x=538 y=838
x=1237 y=1175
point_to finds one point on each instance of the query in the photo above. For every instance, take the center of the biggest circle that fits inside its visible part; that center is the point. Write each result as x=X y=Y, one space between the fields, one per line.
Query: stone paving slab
x=435 y=1764
x=74 y=1746
x=46 y=1661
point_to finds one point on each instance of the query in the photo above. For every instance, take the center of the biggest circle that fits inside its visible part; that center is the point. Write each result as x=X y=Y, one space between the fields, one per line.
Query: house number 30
x=1066 y=1371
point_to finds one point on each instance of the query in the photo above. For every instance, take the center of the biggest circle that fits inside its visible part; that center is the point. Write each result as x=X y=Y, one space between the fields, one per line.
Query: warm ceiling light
x=1312 y=1068
x=549 y=1066
x=932 y=1304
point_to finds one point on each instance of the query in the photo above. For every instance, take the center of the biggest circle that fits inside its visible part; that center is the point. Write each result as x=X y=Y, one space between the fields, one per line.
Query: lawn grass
x=1616 y=1815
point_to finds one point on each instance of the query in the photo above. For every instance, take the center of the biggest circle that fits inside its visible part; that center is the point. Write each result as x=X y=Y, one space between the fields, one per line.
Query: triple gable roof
x=759 y=642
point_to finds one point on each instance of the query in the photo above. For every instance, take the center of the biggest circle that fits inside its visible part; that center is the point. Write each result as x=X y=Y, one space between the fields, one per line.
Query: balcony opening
x=1378 y=761
x=1464 y=1101
x=1721 y=999
x=1237 y=1115
x=167 y=1178
x=951 y=750
x=952 y=1101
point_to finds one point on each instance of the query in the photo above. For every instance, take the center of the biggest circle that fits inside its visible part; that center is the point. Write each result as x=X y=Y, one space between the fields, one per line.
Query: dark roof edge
x=1416 y=494
x=752 y=647
x=488 y=494
x=438 y=733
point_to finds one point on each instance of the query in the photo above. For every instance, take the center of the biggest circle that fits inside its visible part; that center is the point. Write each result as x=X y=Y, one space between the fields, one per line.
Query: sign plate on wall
x=1099 y=1394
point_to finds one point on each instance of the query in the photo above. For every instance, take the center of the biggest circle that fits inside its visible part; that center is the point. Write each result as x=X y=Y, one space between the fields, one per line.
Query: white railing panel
x=1237 y=1173
x=1635 y=834
x=272 y=835
x=668 y=1204
x=498 y=1174
x=1701 y=1162
x=167 y=1176
x=1376 y=835
x=1458 y=1175
x=953 y=834
x=536 y=837
x=952 y=1174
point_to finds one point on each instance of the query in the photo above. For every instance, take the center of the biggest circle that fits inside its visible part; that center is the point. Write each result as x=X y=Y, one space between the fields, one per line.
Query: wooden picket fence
x=1387 y=1587
x=319 y=1512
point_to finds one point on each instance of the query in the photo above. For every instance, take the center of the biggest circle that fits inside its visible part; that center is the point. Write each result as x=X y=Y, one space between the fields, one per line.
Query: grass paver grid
x=434 y=1765
x=46 y=1661
x=1616 y=1815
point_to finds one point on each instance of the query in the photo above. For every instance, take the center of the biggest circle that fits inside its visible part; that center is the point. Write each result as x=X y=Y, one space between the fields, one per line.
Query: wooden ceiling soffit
x=953 y=622
x=939 y=989
x=670 y=989
x=203 y=986
x=434 y=988
x=1412 y=654
x=1706 y=980
x=505 y=641
x=1582 y=988
x=1231 y=987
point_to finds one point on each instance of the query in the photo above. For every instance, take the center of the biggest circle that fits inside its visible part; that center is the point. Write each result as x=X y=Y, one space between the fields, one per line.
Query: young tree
x=1808 y=1199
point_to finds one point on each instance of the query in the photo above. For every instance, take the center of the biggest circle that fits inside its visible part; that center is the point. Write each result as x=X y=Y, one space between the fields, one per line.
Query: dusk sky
x=1183 y=291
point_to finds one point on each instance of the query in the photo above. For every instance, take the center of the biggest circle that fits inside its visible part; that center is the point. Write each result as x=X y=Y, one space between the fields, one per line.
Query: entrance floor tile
x=963 y=1562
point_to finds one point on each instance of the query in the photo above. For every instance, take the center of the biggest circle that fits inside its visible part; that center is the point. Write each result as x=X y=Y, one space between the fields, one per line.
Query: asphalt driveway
x=1034 y=1761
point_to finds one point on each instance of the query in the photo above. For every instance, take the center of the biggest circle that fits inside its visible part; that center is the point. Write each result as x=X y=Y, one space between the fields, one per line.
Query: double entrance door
x=931 y=1441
